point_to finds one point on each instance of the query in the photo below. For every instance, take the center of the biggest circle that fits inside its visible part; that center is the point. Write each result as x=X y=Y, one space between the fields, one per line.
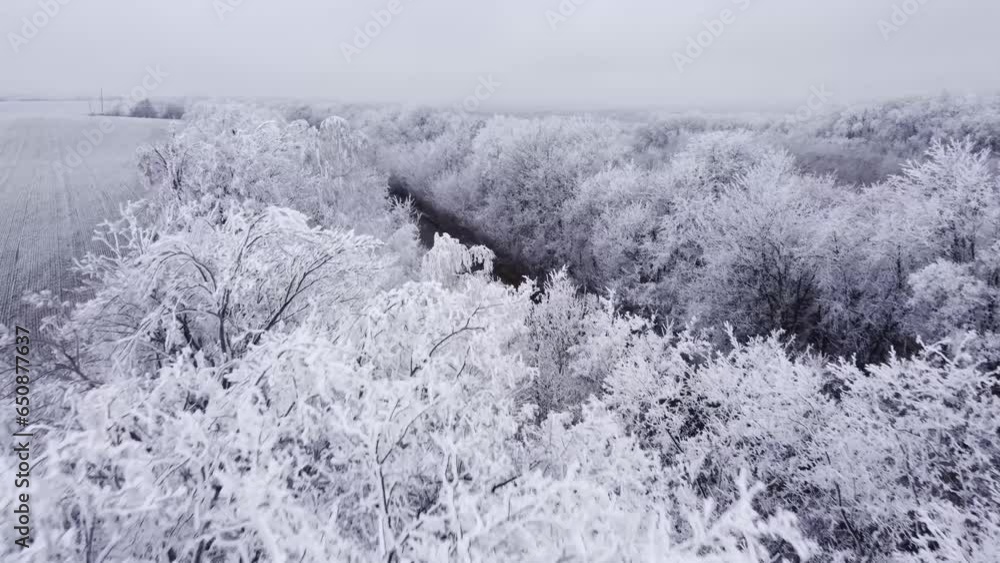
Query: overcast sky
x=608 y=53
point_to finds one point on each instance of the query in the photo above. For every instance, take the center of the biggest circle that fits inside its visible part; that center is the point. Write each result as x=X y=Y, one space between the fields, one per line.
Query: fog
x=536 y=53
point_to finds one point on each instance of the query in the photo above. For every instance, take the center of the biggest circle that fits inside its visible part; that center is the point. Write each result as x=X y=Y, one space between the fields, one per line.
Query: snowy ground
x=47 y=212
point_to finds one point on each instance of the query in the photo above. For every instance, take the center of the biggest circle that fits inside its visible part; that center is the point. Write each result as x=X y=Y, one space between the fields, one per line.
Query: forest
x=744 y=338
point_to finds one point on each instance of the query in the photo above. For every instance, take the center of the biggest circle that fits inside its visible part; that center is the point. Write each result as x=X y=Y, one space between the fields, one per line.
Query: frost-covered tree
x=254 y=155
x=393 y=429
x=875 y=463
x=526 y=170
x=948 y=298
x=246 y=385
x=610 y=225
x=573 y=340
x=952 y=200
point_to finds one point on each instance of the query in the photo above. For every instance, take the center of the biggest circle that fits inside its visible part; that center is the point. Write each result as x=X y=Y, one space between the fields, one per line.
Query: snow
x=267 y=366
x=46 y=108
x=48 y=213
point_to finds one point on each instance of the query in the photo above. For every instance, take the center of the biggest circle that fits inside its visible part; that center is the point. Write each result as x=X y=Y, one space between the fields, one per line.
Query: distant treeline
x=145 y=108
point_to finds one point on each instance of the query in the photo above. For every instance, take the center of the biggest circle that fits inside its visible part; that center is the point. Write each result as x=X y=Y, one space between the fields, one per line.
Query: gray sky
x=618 y=53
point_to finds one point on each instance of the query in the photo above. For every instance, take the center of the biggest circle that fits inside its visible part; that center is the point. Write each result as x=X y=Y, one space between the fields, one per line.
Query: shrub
x=173 y=111
x=143 y=108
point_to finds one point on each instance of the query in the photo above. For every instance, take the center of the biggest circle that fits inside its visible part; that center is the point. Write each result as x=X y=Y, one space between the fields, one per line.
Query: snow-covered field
x=48 y=212
x=45 y=108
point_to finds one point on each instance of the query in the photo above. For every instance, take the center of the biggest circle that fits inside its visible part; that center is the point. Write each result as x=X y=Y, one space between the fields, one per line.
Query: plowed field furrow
x=48 y=213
